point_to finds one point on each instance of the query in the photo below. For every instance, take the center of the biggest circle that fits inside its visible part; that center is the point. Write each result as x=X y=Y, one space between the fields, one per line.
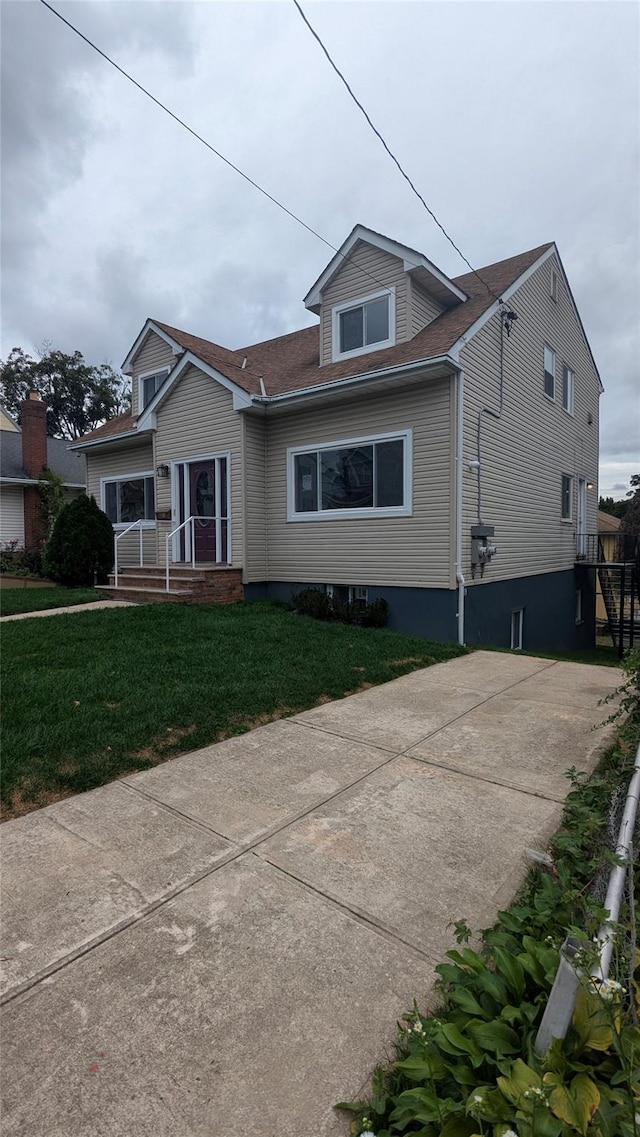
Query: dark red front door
x=202 y=482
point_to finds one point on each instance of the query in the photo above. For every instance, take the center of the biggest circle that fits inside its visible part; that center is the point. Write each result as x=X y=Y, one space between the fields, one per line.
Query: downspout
x=459 y=449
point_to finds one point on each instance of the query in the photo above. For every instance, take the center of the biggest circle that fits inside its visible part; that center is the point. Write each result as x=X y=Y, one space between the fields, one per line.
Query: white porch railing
x=134 y=524
x=190 y=521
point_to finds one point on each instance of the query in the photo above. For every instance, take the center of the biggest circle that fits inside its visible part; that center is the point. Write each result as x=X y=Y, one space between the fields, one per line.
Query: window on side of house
x=566 y=497
x=351 y=478
x=549 y=372
x=517 y=627
x=567 y=388
x=367 y=325
x=126 y=500
x=149 y=384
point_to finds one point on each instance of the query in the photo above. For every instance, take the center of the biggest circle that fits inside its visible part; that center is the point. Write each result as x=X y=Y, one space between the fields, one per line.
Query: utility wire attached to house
x=392 y=155
x=208 y=145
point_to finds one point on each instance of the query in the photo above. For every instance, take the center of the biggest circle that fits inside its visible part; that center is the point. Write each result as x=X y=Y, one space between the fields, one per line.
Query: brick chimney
x=34 y=458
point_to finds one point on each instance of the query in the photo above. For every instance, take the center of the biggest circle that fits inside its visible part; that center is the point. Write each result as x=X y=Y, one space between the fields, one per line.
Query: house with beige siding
x=428 y=440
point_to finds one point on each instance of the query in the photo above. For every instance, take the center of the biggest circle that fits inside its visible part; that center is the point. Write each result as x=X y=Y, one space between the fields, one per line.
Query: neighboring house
x=24 y=453
x=383 y=452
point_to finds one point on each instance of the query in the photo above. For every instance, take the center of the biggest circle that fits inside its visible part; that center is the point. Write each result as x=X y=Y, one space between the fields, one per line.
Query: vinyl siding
x=525 y=453
x=12 y=515
x=6 y=423
x=121 y=464
x=366 y=270
x=256 y=563
x=422 y=308
x=198 y=419
x=410 y=551
x=154 y=355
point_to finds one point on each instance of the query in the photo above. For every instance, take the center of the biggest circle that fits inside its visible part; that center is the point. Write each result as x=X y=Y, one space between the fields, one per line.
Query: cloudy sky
x=519 y=122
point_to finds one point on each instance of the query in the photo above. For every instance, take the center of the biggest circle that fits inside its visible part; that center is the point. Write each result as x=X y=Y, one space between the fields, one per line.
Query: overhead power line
x=390 y=151
x=204 y=142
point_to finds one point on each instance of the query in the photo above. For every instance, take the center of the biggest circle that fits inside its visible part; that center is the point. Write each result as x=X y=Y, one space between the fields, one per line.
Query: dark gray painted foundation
x=548 y=600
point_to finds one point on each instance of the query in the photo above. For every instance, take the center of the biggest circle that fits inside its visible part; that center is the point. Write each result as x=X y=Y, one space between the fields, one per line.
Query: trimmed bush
x=321 y=606
x=20 y=562
x=80 y=549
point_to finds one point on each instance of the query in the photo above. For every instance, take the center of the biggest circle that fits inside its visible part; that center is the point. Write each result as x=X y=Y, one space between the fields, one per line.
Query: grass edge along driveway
x=88 y=697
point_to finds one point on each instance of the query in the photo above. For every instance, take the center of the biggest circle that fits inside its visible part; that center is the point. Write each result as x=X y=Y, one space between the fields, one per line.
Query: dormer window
x=363 y=326
x=150 y=382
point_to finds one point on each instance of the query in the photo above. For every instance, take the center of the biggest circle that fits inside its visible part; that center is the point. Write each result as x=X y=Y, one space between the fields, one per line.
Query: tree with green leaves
x=631 y=520
x=79 y=396
x=613 y=508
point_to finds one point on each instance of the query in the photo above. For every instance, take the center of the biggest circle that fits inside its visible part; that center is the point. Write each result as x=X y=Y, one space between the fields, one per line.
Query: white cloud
x=519 y=122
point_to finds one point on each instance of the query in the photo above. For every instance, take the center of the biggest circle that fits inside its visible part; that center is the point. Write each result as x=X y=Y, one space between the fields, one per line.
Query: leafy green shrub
x=80 y=549
x=471 y=1069
x=321 y=606
x=20 y=562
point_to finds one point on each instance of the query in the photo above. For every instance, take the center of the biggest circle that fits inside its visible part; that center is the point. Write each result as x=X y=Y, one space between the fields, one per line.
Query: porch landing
x=146 y=584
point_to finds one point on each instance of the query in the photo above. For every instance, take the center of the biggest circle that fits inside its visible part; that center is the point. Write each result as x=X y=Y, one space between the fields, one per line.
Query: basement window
x=517 y=624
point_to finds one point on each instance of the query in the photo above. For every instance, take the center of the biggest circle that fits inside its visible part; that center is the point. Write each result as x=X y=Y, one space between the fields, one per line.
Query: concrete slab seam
x=152 y=906
x=356 y=914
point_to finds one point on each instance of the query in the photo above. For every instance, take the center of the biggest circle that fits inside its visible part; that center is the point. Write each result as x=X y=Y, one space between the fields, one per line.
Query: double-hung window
x=566 y=511
x=125 y=500
x=351 y=478
x=366 y=325
x=567 y=388
x=149 y=384
x=549 y=372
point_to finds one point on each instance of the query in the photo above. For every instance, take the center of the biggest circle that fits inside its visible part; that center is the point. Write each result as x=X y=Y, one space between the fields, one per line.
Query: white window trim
x=567 y=520
x=120 y=525
x=547 y=347
x=175 y=499
x=519 y=612
x=146 y=375
x=357 y=302
x=354 y=598
x=565 y=367
x=405 y=510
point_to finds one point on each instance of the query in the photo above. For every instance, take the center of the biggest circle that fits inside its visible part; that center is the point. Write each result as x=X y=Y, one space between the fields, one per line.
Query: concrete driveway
x=223 y=945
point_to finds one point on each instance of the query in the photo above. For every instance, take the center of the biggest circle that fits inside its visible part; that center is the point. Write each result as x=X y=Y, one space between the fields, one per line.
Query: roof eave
x=320 y=389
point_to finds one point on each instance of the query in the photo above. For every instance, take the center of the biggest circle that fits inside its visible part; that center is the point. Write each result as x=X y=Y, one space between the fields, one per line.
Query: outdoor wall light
x=162 y=471
x=589 y=485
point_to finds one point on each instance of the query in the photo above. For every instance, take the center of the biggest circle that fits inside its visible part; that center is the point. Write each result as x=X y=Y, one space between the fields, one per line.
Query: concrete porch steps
x=145 y=584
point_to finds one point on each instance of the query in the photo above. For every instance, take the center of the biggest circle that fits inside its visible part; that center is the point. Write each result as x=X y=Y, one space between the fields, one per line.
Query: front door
x=202 y=484
x=202 y=489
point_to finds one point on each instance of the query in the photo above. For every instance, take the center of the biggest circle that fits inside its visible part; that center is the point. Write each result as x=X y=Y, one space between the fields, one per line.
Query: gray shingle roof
x=67 y=464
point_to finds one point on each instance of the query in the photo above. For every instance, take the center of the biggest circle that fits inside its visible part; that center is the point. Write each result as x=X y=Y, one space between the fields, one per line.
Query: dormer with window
x=374 y=294
x=151 y=359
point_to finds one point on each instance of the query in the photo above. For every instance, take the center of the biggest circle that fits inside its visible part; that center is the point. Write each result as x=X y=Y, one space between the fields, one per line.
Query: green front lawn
x=92 y=695
x=15 y=600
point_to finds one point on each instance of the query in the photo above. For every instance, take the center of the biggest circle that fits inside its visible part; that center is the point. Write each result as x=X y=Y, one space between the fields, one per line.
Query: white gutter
x=606 y=934
x=459 y=464
x=37 y=482
x=353 y=380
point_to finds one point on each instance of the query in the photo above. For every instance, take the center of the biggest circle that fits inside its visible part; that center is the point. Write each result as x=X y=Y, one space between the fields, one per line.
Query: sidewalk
x=92 y=606
x=223 y=945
